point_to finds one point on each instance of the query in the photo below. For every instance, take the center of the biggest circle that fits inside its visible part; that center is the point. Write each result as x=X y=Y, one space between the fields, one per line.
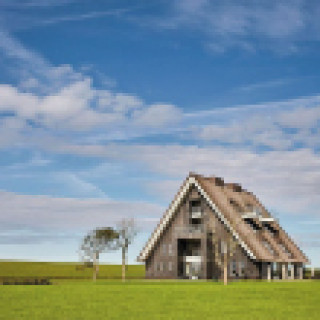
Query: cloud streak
x=248 y=25
x=44 y=213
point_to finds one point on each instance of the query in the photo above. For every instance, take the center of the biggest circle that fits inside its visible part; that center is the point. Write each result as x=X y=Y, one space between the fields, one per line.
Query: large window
x=275 y=270
x=195 y=210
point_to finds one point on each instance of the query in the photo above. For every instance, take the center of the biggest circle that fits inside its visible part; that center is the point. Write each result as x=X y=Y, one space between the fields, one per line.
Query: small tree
x=127 y=230
x=228 y=248
x=223 y=251
x=96 y=242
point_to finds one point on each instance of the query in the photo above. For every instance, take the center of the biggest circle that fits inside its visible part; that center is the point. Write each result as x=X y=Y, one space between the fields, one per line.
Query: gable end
x=191 y=181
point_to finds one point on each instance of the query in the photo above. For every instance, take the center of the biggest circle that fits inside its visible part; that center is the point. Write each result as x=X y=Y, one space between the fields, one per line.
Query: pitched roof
x=233 y=205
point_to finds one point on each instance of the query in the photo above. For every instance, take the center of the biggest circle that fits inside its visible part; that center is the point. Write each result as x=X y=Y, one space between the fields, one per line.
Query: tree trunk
x=95 y=266
x=123 y=263
x=225 y=269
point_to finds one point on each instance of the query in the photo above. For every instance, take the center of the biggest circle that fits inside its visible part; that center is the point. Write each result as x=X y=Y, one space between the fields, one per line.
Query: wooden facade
x=187 y=242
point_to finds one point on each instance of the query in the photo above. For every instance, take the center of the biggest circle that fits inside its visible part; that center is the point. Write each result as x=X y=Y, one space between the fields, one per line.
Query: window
x=170 y=266
x=161 y=266
x=195 y=209
x=268 y=227
x=241 y=268
x=170 y=252
x=275 y=270
x=255 y=227
x=233 y=269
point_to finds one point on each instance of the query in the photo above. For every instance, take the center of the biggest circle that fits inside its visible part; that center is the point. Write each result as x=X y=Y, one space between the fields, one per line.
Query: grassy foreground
x=74 y=296
x=63 y=270
x=162 y=300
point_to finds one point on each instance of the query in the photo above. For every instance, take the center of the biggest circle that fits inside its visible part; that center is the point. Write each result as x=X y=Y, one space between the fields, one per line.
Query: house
x=211 y=227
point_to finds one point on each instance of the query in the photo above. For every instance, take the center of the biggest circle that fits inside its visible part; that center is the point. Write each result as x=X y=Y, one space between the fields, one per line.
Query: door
x=192 y=270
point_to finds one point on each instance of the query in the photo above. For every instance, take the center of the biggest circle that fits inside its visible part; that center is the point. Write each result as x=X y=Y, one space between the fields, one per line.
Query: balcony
x=189 y=231
x=192 y=259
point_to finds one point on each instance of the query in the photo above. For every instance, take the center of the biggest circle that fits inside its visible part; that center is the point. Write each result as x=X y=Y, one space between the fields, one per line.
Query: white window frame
x=242 y=267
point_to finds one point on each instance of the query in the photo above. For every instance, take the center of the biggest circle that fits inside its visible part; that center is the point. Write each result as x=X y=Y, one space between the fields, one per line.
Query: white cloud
x=264 y=124
x=300 y=117
x=79 y=106
x=157 y=115
x=61 y=98
x=68 y=101
x=43 y=213
x=286 y=180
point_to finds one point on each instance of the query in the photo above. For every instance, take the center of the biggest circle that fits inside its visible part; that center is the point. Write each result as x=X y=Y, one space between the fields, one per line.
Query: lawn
x=63 y=270
x=74 y=296
x=161 y=300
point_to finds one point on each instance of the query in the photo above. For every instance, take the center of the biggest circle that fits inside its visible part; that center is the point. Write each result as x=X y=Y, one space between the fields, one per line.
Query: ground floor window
x=233 y=269
x=241 y=268
x=275 y=270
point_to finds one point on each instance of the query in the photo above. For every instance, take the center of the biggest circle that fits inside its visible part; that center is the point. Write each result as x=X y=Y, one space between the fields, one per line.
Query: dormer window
x=270 y=228
x=195 y=210
x=253 y=224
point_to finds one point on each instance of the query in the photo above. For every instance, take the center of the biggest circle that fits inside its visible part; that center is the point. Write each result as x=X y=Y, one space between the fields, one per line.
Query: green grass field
x=141 y=299
x=164 y=300
x=62 y=270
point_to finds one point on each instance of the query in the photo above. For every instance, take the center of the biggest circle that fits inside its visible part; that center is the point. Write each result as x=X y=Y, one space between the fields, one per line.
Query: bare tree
x=228 y=248
x=224 y=250
x=127 y=231
x=96 y=242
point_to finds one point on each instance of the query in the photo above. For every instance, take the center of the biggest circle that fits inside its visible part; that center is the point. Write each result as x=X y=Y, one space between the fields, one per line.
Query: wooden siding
x=162 y=264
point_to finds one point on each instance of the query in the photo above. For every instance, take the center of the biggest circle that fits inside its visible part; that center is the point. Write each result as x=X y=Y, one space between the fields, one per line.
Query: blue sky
x=105 y=107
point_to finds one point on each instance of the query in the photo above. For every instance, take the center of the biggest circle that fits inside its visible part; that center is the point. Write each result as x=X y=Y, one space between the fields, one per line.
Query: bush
x=21 y=281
